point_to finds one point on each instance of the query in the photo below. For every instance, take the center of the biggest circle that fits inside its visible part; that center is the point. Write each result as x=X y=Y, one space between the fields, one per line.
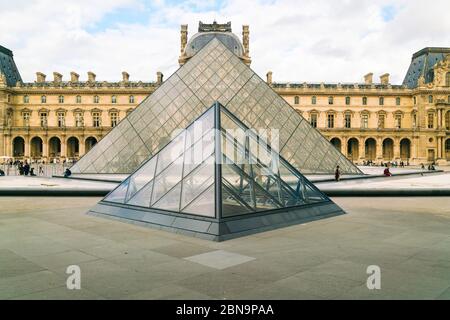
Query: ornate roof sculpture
x=206 y=32
x=216 y=180
x=213 y=74
x=422 y=65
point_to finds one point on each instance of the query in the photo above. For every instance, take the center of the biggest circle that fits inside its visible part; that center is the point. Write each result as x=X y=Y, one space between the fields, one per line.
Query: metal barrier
x=39 y=169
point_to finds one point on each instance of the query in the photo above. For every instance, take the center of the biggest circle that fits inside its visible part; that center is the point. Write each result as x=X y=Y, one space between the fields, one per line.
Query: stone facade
x=57 y=119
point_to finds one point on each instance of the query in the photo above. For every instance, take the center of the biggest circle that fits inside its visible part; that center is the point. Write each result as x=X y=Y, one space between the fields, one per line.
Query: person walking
x=337 y=174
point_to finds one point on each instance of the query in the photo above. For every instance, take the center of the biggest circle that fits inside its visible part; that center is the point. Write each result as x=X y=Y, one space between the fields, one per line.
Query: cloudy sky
x=299 y=40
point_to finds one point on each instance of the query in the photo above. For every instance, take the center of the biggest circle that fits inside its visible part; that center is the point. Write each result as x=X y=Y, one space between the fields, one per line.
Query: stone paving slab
x=407 y=237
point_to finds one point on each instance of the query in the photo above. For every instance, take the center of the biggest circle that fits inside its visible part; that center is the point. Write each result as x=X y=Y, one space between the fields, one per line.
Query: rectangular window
x=79 y=119
x=330 y=100
x=78 y=99
x=26 y=119
x=61 y=119
x=330 y=118
x=364 y=101
x=347 y=100
x=430 y=121
x=43 y=119
x=414 y=120
x=314 y=100
x=114 y=119
x=348 y=120
x=313 y=120
x=381 y=121
x=96 y=119
x=364 y=121
x=131 y=99
x=397 y=101
x=381 y=101
x=26 y=99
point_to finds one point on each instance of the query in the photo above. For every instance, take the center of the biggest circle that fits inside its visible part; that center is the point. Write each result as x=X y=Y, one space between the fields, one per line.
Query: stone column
x=82 y=147
x=362 y=149
x=63 y=148
x=396 y=148
x=344 y=146
x=45 y=150
x=379 y=149
x=27 y=147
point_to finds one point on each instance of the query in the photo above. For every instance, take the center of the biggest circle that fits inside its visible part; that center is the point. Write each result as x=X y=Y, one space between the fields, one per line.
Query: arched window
x=397 y=101
x=381 y=101
x=78 y=99
x=96 y=99
x=330 y=100
x=347 y=100
x=61 y=99
x=364 y=101
x=26 y=99
x=131 y=100
x=296 y=100
x=313 y=100
x=447 y=79
x=43 y=99
x=113 y=99
x=430 y=99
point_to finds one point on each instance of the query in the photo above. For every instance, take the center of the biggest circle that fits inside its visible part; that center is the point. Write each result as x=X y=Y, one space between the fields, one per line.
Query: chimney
x=125 y=76
x=57 y=77
x=91 y=76
x=184 y=35
x=40 y=77
x=384 y=79
x=269 y=77
x=74 y=77
x=368 y=78
x=159 y=77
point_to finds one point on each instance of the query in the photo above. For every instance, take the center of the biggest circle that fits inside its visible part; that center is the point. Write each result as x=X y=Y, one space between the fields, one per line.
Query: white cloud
x=330 y=41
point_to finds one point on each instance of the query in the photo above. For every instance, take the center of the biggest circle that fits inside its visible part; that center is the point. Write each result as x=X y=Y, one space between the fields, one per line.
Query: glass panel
x=141 y=177
x=171 y=201
x=171 y=152
x=142 y=197
x=196 y=182
x=167 y=179
x=204 y=205
x=118 y=195
x=230 y=205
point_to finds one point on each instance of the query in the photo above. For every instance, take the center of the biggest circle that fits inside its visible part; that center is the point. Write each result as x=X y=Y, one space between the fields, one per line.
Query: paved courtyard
x=407 y=237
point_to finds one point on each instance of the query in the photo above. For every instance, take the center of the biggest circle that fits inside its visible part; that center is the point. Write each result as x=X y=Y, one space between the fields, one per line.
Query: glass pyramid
x=213 y=74
x=216 y=169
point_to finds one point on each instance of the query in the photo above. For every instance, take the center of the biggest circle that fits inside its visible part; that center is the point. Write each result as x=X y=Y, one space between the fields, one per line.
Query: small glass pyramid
x=216 y=169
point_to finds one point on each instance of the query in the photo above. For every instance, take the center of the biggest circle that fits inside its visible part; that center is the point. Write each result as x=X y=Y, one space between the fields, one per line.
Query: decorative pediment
x=61 y=110
x=44 y=110
x=96 y=110
x=113 y=110
x=78 y=110
x=26 y=110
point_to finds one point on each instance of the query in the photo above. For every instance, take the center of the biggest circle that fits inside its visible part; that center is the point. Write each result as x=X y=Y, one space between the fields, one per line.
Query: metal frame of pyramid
x=213 y=74
x=237 y=186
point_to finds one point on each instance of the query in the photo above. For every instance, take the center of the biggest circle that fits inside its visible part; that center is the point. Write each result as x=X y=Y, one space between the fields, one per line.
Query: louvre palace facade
x=59 y=119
